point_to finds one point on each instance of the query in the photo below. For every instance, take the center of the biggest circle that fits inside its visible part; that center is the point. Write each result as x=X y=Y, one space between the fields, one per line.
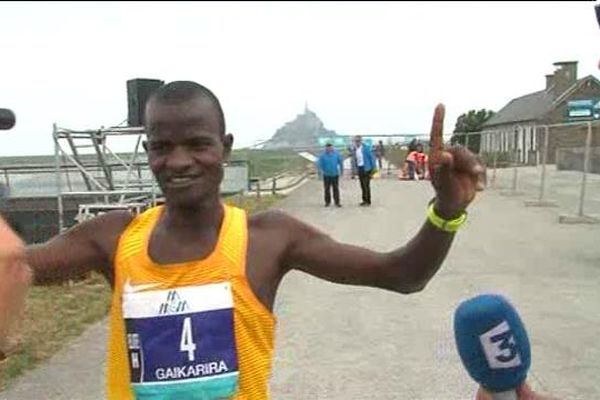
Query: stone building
x=518 y=125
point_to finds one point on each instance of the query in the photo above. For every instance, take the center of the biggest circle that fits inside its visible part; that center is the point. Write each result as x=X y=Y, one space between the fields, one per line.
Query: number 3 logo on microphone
x=499 y=347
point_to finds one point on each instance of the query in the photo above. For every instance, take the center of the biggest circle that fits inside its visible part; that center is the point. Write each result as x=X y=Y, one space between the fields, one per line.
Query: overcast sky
x=364 y=68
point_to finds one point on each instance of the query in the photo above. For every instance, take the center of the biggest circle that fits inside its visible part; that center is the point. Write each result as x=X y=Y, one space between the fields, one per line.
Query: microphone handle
x=507 y=395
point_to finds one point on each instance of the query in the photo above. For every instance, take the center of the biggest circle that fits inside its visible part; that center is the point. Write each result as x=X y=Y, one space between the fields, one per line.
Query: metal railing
x=556 y=164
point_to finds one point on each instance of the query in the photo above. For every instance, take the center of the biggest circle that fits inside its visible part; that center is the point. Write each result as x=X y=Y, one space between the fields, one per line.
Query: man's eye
x=157 y=146
x=200 y=144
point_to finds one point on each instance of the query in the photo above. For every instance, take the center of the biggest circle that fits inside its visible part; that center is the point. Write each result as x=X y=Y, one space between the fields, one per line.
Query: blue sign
x=588 y=109
x=336 y=141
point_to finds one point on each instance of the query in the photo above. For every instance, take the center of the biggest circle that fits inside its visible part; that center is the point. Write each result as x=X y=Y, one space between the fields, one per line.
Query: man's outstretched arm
x=85 y=247
x=405 y=270
x=457 y=177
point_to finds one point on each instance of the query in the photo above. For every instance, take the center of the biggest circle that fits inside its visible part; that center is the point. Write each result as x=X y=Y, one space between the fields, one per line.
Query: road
x=344 y=342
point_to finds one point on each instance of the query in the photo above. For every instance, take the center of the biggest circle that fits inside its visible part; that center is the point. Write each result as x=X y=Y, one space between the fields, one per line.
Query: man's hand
x=524 y=392
x=15 y=278
x=456 y=173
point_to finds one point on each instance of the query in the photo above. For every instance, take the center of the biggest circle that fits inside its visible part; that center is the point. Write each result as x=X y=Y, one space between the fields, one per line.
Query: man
x=379 y=154
x=194 y=281
x=365 y=163
x=331 y=167
x=524 y=392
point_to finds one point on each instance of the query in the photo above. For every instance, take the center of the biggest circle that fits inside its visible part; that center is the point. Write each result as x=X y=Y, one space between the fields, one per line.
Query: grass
x=57 y=314
x=262 y=163
x=252 y=204
x=268 y=163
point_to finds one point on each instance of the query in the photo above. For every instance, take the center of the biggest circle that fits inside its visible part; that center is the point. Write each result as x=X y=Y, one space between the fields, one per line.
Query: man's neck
x=206 y=215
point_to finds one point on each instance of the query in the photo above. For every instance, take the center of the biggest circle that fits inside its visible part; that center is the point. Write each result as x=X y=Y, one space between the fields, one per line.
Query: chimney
x=564 y=76
x=549 y=81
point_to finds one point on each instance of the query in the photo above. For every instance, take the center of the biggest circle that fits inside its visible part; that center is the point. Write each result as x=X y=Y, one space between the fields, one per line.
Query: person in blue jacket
x=331 y=165
x=365 y=162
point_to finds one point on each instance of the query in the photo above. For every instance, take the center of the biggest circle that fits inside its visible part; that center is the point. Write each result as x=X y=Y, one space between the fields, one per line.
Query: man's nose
x=179 y=159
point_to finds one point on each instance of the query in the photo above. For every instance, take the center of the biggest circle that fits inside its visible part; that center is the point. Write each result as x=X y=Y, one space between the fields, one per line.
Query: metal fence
x=554 y=165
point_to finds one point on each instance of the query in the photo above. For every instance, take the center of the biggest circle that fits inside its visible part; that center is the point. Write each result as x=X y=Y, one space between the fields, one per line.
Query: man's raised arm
x=456 y=176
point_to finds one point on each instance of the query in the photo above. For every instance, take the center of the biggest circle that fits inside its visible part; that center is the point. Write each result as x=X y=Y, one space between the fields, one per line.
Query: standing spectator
x=365 y=162
x=330 y=167
x=379 y=154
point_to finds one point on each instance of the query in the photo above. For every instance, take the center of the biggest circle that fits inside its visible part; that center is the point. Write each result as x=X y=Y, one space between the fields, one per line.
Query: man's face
x=329 y=149
x=357 y=141
x=186 y=149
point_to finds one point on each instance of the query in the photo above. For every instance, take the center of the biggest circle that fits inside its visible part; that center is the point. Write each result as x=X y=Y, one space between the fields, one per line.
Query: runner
x=194 y=280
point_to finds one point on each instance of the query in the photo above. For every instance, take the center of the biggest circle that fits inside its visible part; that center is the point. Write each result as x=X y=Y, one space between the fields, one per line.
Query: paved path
x=342 y=342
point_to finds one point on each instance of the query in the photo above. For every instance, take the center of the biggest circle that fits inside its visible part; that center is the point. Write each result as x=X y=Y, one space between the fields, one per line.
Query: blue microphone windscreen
x=492 y=342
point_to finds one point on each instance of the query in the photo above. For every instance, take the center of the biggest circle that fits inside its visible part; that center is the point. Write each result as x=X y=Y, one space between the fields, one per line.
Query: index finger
x=437 y=130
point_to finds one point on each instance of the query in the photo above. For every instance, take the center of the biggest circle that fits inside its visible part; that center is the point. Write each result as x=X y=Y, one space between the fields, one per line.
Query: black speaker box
x=138 y=92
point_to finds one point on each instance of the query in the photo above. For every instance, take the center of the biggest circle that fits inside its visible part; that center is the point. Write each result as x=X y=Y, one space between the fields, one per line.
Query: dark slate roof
x=525 y=108
x=533 y=106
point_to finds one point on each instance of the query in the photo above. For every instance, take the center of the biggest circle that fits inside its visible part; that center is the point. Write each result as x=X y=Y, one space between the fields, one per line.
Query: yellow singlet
x=192 y=330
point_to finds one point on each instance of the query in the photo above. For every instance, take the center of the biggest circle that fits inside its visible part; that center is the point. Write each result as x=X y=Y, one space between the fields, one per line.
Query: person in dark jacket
x=365 y=162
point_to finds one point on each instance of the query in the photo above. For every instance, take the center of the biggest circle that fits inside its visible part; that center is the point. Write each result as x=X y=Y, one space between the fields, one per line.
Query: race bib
x=181 y=342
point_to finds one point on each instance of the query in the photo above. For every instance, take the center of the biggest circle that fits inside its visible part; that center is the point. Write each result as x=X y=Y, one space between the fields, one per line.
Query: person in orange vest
x=409 y=169
x=421 y=161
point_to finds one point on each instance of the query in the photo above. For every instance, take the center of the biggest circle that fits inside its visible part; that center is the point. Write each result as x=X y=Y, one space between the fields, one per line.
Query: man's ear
x=227 y=145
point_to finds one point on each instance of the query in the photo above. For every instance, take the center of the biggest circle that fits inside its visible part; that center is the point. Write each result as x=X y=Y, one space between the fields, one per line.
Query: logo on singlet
x=173 y=304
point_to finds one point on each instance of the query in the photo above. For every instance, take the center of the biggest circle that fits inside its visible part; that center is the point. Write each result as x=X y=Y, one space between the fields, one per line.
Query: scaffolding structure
x=112 y=180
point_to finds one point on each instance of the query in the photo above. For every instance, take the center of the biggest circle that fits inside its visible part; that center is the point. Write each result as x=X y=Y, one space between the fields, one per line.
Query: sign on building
x=583 y=110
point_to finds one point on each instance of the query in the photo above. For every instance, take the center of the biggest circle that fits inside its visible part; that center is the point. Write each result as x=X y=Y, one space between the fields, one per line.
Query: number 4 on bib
x=187 y=339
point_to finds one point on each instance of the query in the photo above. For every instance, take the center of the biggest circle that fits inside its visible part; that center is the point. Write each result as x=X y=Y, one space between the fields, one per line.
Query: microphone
x=493 y=344
x=7 y=119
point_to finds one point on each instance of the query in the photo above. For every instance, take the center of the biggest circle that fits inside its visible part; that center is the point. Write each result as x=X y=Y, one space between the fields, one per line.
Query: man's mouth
x=181 y=181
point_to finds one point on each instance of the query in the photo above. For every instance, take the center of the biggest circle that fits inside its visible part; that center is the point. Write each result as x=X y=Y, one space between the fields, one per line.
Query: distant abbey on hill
x=303 y=132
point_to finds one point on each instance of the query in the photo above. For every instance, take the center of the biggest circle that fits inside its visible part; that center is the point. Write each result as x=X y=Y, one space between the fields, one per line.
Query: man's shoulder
x=278 y=227
x=272 y=218
x=277 y=221
x=111 y=223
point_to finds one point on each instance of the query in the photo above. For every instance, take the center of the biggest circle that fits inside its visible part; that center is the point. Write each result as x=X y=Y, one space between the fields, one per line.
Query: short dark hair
x=179 y=91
